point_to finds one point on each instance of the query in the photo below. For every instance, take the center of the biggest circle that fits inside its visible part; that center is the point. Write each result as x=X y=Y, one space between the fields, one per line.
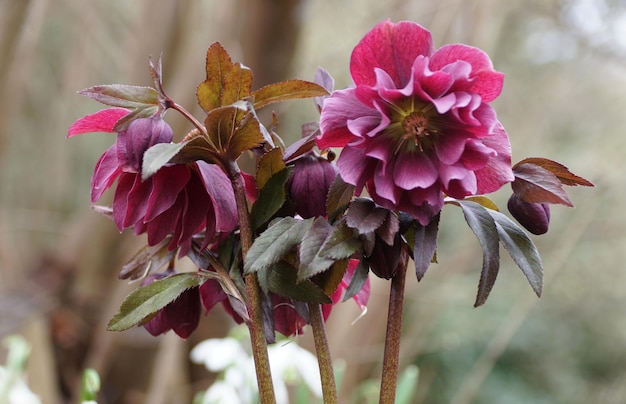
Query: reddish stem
x=325 y=363
x=389 y=378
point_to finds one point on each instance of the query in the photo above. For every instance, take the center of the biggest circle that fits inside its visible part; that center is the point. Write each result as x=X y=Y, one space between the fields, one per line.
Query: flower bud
x=140 y=135
x=535 y=217
x=309 y=184
x=385 y=258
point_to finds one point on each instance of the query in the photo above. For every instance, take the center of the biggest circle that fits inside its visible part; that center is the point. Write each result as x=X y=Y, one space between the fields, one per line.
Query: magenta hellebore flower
x=178 y=200
x=417 y=125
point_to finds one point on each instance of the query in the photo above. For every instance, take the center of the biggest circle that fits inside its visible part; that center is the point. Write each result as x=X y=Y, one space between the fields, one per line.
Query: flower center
x=418 y=128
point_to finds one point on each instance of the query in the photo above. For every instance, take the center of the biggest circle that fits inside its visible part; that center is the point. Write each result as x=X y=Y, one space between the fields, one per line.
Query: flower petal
x=391 y=47
x=220 y=191
x=338 y=109
x=167 y=184
x=101 y=121
x=414 y=170
x=484 y=80
x=105 y=173
x=498 y=170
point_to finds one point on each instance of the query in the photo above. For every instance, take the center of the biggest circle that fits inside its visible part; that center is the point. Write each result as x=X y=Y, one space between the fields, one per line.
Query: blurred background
x=563 y=99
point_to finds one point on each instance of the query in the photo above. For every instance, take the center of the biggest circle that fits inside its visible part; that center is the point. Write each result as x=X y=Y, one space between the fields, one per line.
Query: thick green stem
x=257 y=335
x=389 y=378
x=325 y=363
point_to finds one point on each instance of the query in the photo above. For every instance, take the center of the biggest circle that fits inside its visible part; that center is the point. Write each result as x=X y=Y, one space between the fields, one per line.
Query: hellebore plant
x=278 y=247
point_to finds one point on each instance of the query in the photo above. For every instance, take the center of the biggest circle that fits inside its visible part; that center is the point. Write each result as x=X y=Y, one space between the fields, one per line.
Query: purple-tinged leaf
x=535 y=184
x=388 y=229
x=364 y=216
x=559 y=170
x=123 y=96
x=286 y=90
x=484 y=227
x=300 y=147
x=425 y=245
x=341 y=243
x=311 y=263
x=271 y=198
x=324 y=79
x=339 y=196
x=357 y=281
x=330 y=279
x=145 y=301
x=521 y=248
x=275 y=242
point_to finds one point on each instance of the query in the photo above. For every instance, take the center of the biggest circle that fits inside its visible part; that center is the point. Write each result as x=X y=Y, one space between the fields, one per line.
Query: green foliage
x=144 y=302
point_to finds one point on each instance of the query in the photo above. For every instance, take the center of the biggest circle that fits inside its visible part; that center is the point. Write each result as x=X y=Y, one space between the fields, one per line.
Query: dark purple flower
x=178 y=200
x=309 y=184
x=535 y=217
x=417 y=125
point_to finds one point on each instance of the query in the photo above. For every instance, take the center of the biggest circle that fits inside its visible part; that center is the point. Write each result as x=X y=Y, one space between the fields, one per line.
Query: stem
x=255 y=325
x=389 y=378
x=329 y=389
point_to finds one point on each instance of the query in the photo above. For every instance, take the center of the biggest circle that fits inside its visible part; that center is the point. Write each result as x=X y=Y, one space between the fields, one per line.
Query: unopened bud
x=535 y=217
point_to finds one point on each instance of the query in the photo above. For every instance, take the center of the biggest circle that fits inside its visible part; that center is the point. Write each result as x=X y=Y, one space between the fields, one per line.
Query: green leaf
x=341 y=243
x=145 y=301
x=339 y=196
x=286 y=90
x=218 y=66
x=271 y=198
x=330 y=279
x=282 y=280
x=157 y=156
x=482 y=223
x=143 y=112
x=358 y=280
x=123 y=96
x=521 y=248
x=269 y=164
x=425 y=245
x=194 y=149
x=311 y=263
x=274 y=243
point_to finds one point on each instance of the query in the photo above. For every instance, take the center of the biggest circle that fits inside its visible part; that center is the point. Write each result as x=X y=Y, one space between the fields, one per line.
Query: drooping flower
x=178 y=200
x=309 y=183
x=417 y=125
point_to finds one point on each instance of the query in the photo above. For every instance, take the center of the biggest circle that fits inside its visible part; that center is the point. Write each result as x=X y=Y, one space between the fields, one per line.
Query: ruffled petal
x=341 y=107
x=105 y=173
x=391 y=47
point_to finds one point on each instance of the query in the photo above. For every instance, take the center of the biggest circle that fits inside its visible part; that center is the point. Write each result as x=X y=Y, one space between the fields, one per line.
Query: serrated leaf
x=286 y=90
x=232 y=129
x=535 y=184
x=389 y=228
x=340 y=244
x=157 y=156
x=237 y=84
x=559 y=170
x=484 y=227
x=282 y=280
x=269 y=164
x=218 y=65
x=364 y=216
x=123 y=96
x=302 y=146
x=195 y=149
x=330 y=279
x=145 y=301
x=146 y=259
x=274 y=243
x=358 y=280
x=339 y=196
x=425 y=245
x=521 y=248
x=311 y=263
x=271 y=198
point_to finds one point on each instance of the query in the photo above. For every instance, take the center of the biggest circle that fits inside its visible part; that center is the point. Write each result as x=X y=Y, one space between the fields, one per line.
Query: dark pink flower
x=417 y=125
x=178 y=200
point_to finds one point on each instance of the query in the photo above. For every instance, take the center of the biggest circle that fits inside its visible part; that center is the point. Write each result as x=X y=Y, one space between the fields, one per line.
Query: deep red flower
x=417 y=125
x=178 y=200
